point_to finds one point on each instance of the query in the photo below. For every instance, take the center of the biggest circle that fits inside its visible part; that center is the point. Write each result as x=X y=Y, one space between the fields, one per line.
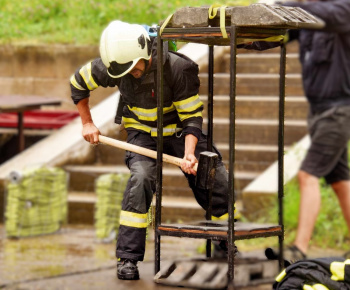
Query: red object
x=38 y=119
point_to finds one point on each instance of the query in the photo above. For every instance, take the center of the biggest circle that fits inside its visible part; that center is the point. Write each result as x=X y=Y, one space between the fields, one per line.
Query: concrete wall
x=44 y=70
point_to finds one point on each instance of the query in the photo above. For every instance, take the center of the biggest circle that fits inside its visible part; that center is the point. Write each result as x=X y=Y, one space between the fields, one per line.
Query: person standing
x=325 y=59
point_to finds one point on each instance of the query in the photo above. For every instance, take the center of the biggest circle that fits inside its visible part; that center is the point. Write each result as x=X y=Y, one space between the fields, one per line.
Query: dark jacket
x=182 y=106
x=332 y=273
x=325 y=54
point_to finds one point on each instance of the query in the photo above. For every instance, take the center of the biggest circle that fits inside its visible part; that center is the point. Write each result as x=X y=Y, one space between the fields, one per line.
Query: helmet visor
x=119 y=69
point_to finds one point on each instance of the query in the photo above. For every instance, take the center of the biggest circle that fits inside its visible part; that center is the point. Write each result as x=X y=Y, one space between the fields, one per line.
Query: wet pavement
x=74 y=259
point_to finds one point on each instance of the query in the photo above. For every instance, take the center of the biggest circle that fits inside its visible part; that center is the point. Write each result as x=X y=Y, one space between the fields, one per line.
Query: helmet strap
x=146 y=64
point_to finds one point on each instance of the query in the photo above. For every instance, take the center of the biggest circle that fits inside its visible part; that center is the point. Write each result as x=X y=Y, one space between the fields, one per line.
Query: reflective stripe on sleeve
x=281 y=275
x=149 y=114
x=187 y=116
x=188 y=105
x=85 y=72
x=74 y=82
x=338 y=270
x=135 y=220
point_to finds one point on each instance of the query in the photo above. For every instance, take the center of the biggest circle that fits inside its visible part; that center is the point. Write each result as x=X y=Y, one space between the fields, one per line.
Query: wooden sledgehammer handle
x=142 y=151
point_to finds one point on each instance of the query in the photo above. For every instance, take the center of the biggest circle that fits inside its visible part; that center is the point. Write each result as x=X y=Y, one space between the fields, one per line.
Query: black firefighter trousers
x=141 y=187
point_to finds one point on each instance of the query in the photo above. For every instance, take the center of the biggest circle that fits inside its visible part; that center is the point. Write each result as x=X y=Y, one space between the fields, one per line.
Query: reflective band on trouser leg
x=131 y=219
x=237 y=215
x=131 y=236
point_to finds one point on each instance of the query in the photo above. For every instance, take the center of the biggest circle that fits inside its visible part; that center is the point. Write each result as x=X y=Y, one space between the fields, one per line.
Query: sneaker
x=127 y=269
x=220 y=249
x=291 y=255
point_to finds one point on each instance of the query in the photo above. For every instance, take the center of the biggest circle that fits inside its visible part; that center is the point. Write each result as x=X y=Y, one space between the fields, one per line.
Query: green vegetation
x=330 y=229
x=81 y=21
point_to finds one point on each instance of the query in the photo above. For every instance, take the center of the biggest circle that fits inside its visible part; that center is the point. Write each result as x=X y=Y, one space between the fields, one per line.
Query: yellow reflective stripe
x=220 y=218
x=74 y=82
x=132 y=123
x=281 y=275
x=85 y=72
x=224 y=217
x=149 y=114
x=184 y=117
x=276 y=38
x=167 y=130
x=131 y=219
x=338 y=270
x=315 y=287
x=319 y=287
x=188 y=105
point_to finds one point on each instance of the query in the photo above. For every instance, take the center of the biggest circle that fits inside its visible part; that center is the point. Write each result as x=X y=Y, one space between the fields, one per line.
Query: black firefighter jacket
x=315 y=274
x=325 y=54
x=182 y=106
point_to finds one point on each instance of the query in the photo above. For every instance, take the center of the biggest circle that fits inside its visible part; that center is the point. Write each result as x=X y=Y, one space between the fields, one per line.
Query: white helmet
x=122 y=45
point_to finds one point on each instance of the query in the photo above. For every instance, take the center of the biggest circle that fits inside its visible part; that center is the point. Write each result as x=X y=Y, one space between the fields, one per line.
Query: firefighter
x=129 y=61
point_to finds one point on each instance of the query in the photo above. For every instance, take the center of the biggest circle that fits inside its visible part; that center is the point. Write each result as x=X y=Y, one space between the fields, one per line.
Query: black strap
x=119 y=114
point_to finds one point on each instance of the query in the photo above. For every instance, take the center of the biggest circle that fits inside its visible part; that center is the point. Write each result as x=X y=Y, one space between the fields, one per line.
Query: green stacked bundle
x=109 y=189
x=36 y=203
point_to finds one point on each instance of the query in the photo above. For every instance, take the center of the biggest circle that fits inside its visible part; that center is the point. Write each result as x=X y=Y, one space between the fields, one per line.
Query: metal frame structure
x=208 y=229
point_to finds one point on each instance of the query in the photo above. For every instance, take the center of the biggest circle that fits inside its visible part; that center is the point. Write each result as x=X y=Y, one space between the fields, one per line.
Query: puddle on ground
x=71 y=250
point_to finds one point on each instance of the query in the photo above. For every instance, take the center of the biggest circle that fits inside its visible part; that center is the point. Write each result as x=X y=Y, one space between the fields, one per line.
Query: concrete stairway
x=256 y=133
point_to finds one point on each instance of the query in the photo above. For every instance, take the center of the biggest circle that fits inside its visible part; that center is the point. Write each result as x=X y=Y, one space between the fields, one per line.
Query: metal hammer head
x=206 y=170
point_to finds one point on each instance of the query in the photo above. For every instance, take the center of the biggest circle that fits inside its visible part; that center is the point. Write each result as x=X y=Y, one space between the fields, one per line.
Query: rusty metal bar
x=218 y=236
x=210 y=131
x=210 y=97
x=282 y=93
x=159 y=182
x=231 y=175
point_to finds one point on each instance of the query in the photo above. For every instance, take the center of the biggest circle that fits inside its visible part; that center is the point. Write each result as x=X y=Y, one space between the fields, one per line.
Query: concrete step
x=222 y=59
x=248 y=131
x=82 y=178
x=262 y=131
x=81 y=208
x=248 y=157
x=253 y=84
x=258 y=107
x=261 y=63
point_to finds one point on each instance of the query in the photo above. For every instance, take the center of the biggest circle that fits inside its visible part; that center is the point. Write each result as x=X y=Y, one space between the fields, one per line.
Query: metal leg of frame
x=159 y=183
x=210 y=131
x=281 y=148
x=231 y=183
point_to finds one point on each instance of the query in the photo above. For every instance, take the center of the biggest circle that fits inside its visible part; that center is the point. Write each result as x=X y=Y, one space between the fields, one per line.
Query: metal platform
x=218 y=230
x=212 y=273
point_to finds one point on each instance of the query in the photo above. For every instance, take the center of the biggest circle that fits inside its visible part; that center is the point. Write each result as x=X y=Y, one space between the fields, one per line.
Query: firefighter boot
x=127 y=269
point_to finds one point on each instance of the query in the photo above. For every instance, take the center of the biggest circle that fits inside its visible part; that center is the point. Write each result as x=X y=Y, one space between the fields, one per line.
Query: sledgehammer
x=205 y=167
